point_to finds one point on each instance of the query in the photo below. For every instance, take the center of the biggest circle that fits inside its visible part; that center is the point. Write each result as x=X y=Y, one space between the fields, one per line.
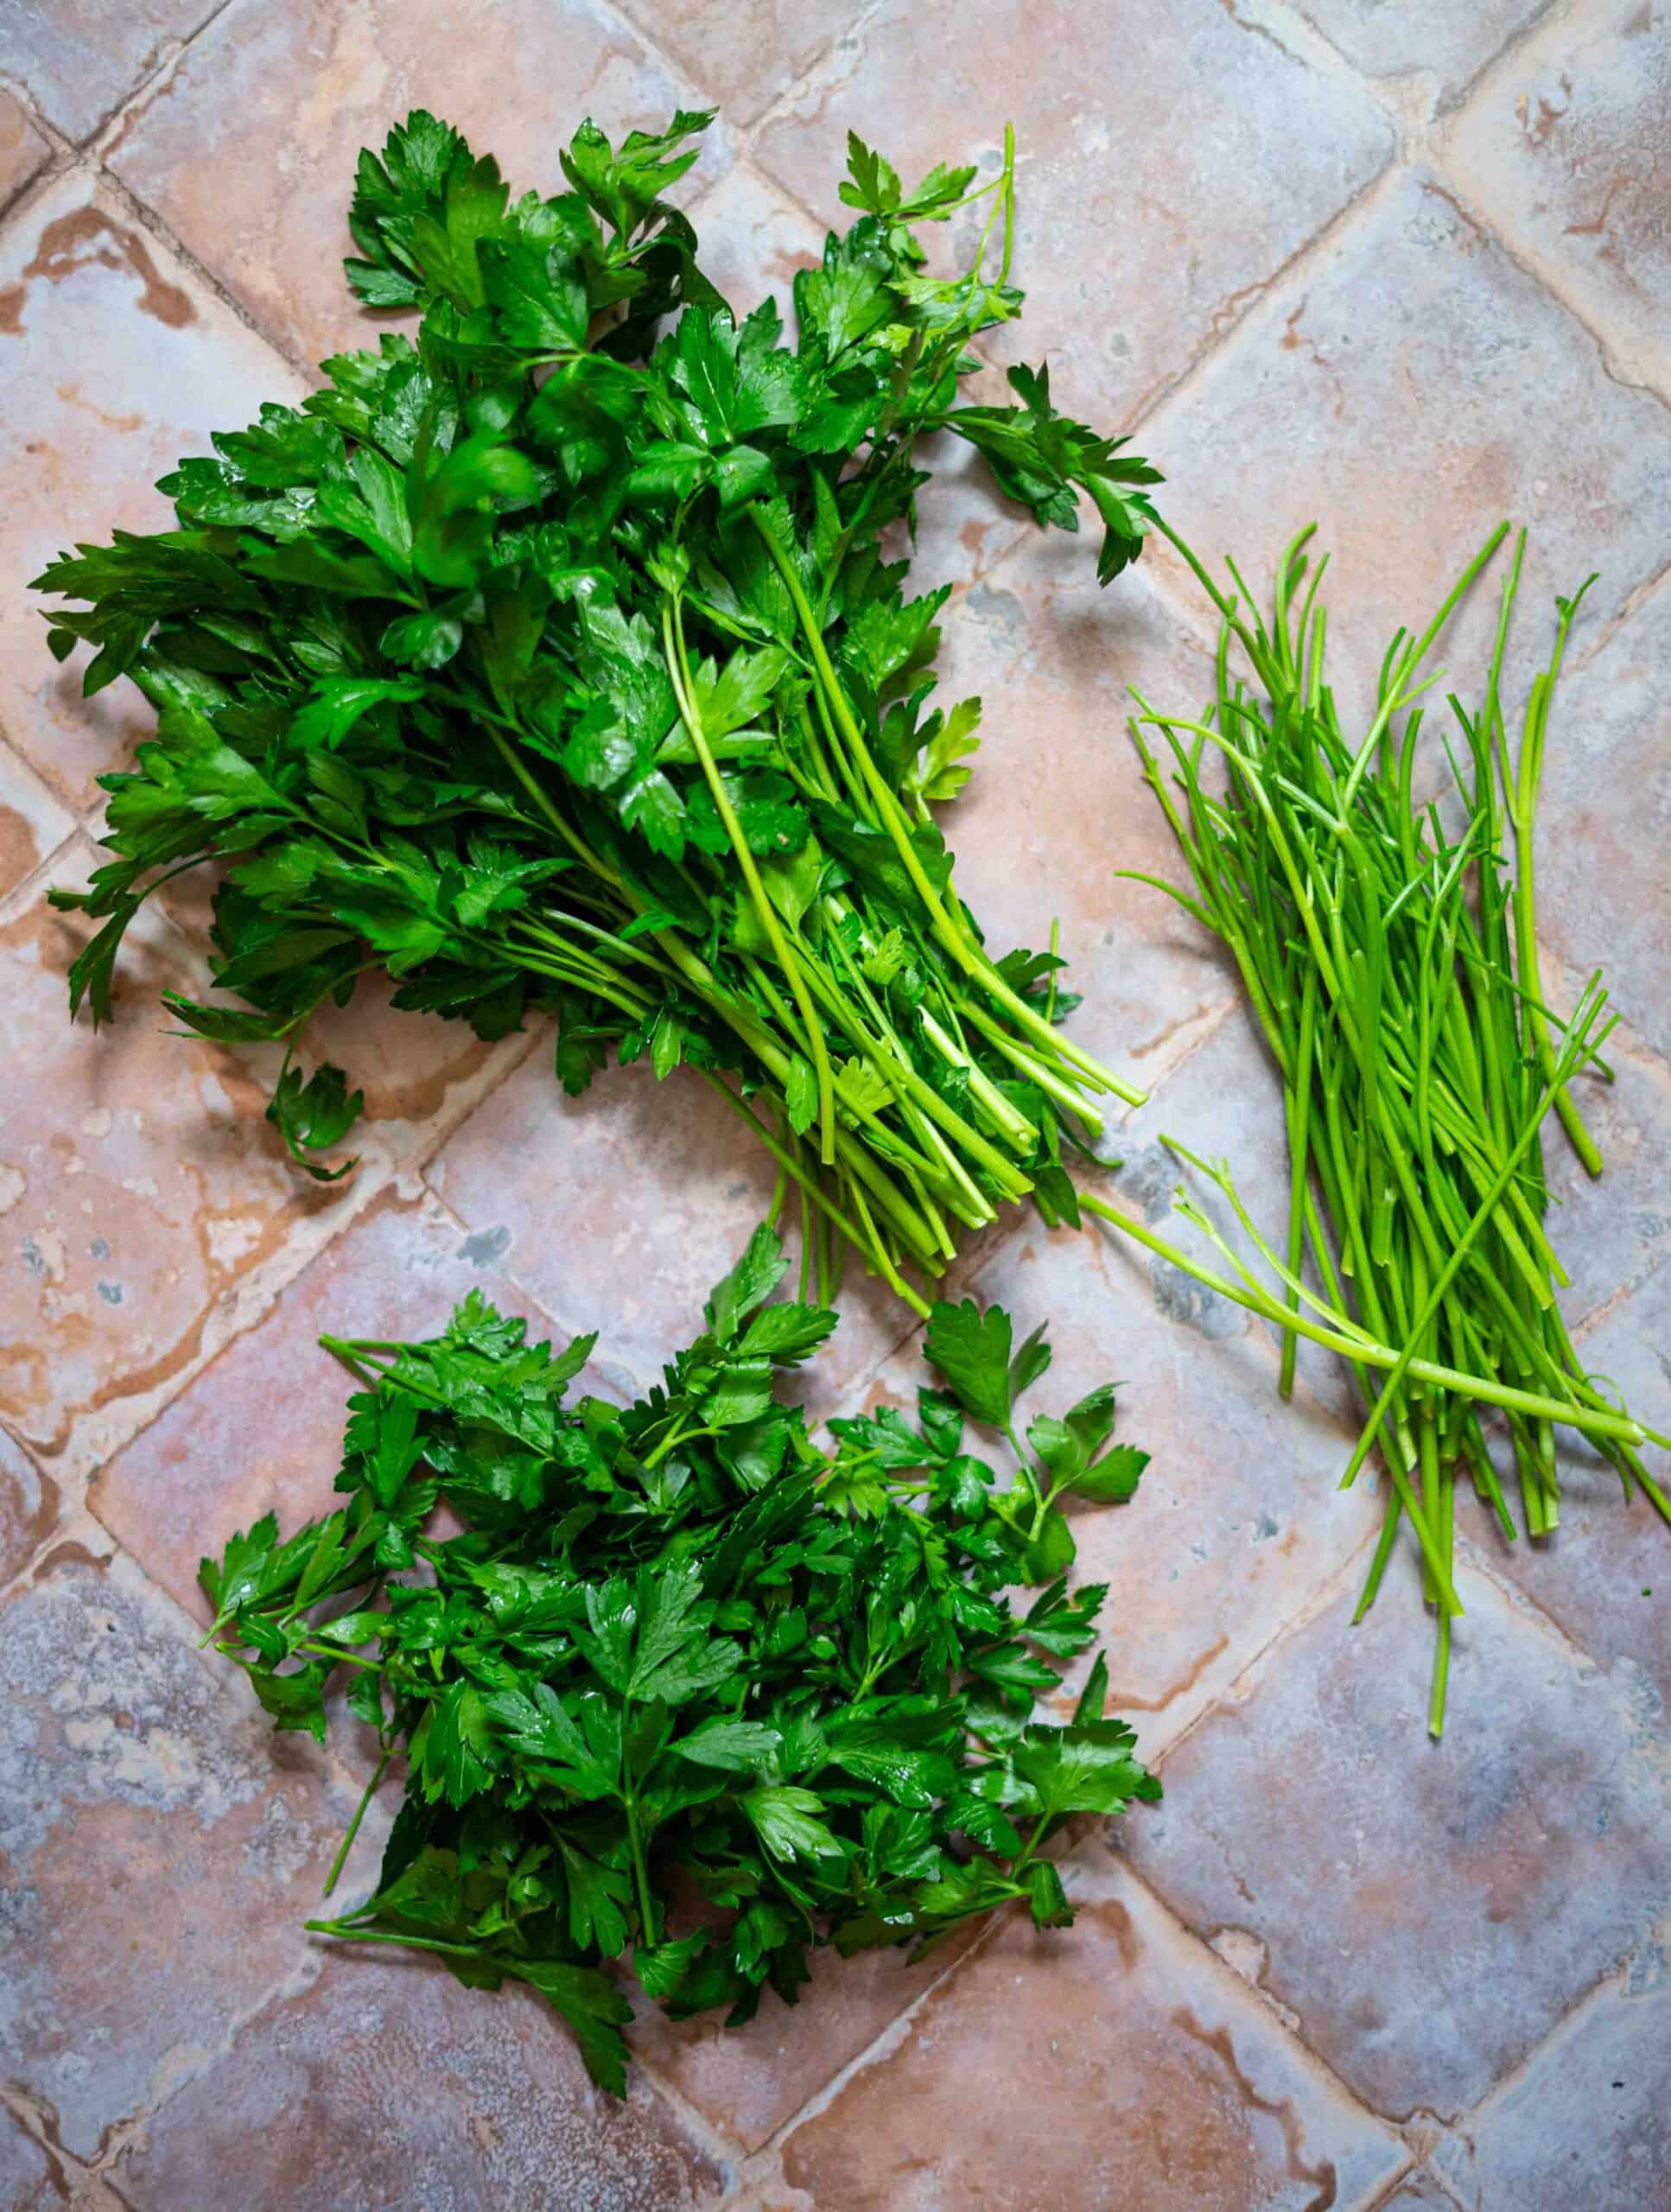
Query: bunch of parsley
x=551 y=657
x=679 y=1659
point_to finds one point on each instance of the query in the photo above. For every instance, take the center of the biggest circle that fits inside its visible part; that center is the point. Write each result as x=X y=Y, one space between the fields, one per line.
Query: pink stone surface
x=1201 y=2104
x=1429 y=1914
x=132 y=361
x=669 y=1184
x=24 y=148
x=32 y=821
x=159 y=1853
x=1402 y=269
x=1424 y=46
x=1136 y=246
x=415 y=2091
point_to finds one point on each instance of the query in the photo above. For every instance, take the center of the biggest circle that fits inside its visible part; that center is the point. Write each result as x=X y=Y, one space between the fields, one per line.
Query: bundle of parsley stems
x=1390 y=956
x=553 y=660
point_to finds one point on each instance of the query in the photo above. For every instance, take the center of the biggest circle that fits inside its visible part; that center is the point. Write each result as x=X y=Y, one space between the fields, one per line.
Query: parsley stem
x=956 y=942
x=678 y=669
x=1346 y=1338
x=348 y=1843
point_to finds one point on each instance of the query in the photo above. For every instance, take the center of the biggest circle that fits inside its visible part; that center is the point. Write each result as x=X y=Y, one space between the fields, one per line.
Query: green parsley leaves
x=558 y=657
x=682 y=1692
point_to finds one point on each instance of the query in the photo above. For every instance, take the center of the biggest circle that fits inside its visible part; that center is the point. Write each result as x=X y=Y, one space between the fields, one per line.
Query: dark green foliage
x=681 y=1664
x=551 y=657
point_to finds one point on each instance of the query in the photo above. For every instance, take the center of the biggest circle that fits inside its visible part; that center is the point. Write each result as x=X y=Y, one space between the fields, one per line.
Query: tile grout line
x=1530 y=264
x=1269 y=2003
x=762 y=2164
x=147 y=216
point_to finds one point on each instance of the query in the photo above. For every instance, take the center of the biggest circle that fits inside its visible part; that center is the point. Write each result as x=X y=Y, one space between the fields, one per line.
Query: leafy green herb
x=553 y=658
x=1390 y=949
x=681 y=1665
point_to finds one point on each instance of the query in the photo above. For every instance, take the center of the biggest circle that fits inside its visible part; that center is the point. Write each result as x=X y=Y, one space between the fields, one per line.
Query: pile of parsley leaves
x=682 y=1667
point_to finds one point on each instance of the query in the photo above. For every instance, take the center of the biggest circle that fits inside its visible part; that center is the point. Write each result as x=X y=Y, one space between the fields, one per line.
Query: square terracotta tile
x=1422 y=43
x=1559 y=149
x=79 y=59
x=1411 y=390
x=1605 y=808
x=1105 y=2066
x=247 y=150
x=32 y=823
x=139 y=1180
x=131 y=364
x=417 y=2091
x=23 y=148
x=161 y=1849
x=1428 y=1911
x=1588 y=2122
x=1613 y=1231
x=1057 y=805
x=618 y=1211
x=744 y=57
x=1605 y=1574
x=262 y=1426
x=1136 y=246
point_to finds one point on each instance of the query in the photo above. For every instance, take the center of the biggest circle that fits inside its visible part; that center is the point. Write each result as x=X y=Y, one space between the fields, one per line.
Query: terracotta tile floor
x=1403 y=267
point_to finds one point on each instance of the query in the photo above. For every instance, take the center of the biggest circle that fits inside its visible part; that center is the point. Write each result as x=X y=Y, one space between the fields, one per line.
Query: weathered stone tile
x=1429 y=1911
x=79 y=59
x=417 y=2091
x=161 y=1848
x=746 y=56
x=1419 y=388
x=29 y=1506
x=1605 y=1574
x=1603 y=815
x=1614 y=1231
x=32 y=823
x=248 y=151
x=1237 y=1520
x=129 y=365
x=1126 y=277
x=262 y=1426
x=1131 y=2069
x=1561 y=148
x=27 y=2175
x=666 y=1185
x=1057 y=804
x=23 y=148
x=138 y=1178
x=1588 y=2122
x=753 y=240
x=1423 y=43
x=750 y=2080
